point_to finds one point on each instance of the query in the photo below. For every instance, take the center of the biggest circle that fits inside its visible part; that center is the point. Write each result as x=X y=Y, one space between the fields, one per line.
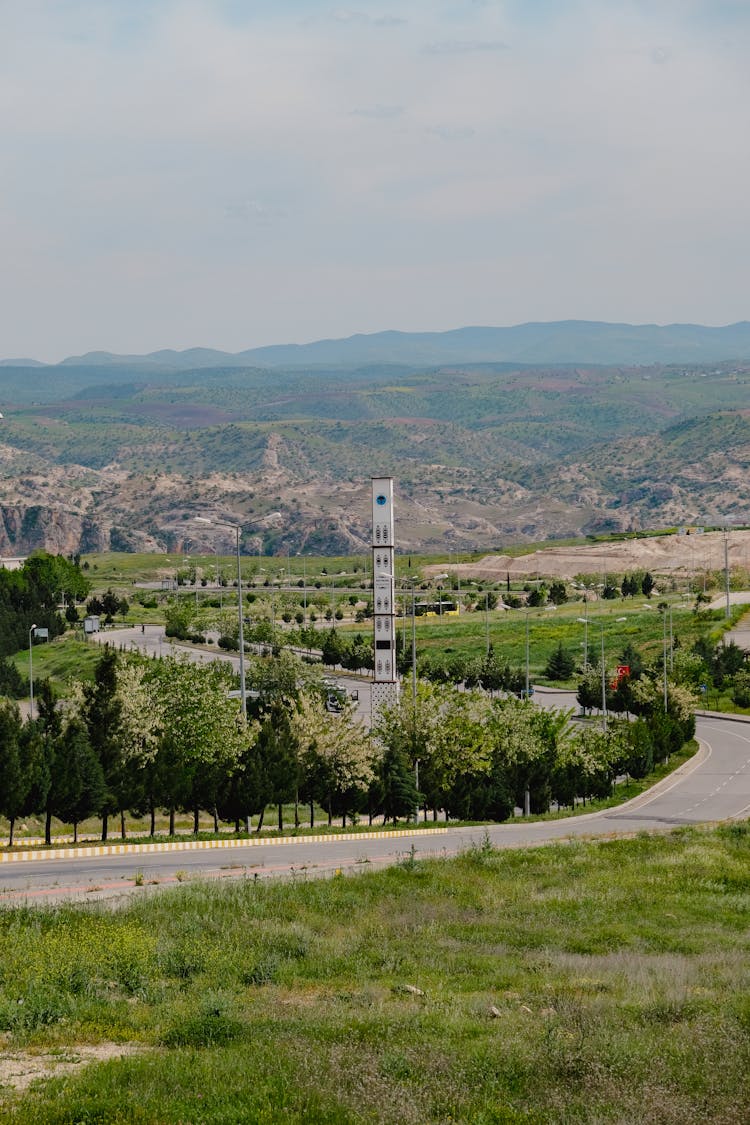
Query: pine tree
x=560 y=665
x=14 y=784
x=400 y=797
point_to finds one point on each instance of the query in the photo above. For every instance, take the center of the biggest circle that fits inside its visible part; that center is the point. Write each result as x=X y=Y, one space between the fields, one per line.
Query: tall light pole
x=664 y=661
x=726 y=570
x=527 y=654
x=585 y=622
x=487 y=622
x=32 y=630
x=243 y=695
x=604 y=686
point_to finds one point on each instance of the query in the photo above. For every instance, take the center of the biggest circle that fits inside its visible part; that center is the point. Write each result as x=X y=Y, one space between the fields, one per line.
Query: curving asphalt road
x=713 y=786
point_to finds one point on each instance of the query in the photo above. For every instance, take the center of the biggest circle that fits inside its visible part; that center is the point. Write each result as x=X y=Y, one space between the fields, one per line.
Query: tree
x=561 y=664
x=399 y=795
x=140 y=724
x=202 y=733
x=336 y=755
x=647 y=585
x=14 y=782
x=493 y=673
x=558 y=593
x=100 y=710
x=82 y=787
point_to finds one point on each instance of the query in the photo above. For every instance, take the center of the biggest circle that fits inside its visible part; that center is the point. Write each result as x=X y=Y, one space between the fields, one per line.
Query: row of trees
x=167 y=734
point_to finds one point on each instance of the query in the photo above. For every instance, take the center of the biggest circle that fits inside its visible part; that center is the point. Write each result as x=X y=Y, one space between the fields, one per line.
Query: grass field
x=585 y=982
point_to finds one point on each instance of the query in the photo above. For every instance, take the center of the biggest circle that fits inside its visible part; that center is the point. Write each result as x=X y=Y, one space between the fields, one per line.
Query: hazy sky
x=232 y=173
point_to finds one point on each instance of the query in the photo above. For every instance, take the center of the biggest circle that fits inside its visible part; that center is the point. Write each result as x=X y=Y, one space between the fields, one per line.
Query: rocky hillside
x=483 y=455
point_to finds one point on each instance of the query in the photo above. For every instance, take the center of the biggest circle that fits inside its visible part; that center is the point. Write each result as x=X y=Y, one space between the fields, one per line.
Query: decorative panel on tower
x=383 y=593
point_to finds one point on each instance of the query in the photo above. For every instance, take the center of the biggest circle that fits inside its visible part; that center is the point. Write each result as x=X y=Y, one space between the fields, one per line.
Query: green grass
x=64 y=659
x=618 y=973
x=642 y=628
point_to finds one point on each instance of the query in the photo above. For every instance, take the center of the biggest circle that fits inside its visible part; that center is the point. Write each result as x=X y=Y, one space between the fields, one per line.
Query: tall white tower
x=385 y=686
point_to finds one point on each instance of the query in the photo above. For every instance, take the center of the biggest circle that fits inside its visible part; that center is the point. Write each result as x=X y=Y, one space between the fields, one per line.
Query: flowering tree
x=202 y=733
x=336 y=755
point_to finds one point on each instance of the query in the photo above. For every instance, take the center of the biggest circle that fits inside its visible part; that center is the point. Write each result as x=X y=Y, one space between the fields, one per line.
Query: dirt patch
x=664 y=554
x=18 y=1069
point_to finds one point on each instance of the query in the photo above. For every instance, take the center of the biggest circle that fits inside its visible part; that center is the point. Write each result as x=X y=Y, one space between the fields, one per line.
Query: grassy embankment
x=583 y=982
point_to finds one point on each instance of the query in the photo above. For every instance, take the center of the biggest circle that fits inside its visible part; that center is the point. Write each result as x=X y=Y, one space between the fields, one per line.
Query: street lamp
x=243 y=694
x=585 y=622
x=32 y=630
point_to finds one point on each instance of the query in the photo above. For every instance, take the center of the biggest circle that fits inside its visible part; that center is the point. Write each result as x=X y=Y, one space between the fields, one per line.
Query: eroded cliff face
x=34 y=527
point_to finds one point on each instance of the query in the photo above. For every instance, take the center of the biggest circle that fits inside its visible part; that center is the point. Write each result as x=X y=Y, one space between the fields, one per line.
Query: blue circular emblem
x=380 y=500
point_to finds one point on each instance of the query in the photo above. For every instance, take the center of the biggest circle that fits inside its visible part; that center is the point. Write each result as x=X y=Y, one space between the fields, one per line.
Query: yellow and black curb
x=195 y=845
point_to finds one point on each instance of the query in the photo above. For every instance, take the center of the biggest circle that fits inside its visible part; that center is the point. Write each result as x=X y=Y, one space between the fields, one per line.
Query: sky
x=234 y=173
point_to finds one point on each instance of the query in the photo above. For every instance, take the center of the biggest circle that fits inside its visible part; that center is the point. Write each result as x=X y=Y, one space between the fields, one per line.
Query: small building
x=91 y=624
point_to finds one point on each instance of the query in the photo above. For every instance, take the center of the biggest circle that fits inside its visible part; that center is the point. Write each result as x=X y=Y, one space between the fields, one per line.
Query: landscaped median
x=81 y=851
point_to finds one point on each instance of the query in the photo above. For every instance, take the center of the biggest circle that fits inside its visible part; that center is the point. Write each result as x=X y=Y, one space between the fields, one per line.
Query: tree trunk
x=296 y=810
x=343 y=821
x=105 y=820
x=123 y=833
x=312 y=814
x=281 y=817
x=526 y=802
x=196 y=821
x=435 y=814
x=11 y=822
x=259 y=825
x=48 y=828
x=171 y=821
x=75 y=831
x=216 y=821
x=248 y=824
x=330 y=813
x=153 y=820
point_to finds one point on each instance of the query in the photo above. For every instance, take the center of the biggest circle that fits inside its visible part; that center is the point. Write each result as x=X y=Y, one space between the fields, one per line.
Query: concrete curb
x=724 y=716
x=194 y=845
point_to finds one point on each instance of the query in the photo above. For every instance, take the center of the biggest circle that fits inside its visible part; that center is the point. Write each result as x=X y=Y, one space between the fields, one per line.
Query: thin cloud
x=379 y=112
x=453 y=132
x=465 y=47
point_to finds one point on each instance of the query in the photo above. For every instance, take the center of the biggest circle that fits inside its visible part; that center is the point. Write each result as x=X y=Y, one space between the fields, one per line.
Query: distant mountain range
x=556 y=342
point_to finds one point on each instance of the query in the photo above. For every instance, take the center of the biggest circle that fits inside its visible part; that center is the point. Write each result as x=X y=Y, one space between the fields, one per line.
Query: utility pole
x=243 y=696
x=604 y=686
x=726 y=569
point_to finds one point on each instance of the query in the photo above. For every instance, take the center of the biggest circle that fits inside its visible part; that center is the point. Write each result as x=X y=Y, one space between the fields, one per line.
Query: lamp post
x=527 y=654
x=243 y=696
x=726 y=571
x=32 y=630
x=604 y=686
x=585 y=622
x=664 y=660
x=243 y=693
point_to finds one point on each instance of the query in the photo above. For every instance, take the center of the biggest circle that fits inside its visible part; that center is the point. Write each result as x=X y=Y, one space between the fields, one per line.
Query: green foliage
x=289 y=1002
x=560 y=665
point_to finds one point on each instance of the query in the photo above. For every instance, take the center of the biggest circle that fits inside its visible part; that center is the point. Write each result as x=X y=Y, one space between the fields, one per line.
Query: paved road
x=714 y=786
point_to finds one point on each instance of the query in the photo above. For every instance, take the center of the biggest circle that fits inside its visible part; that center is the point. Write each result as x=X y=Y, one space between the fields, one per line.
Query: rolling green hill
x=484 y=454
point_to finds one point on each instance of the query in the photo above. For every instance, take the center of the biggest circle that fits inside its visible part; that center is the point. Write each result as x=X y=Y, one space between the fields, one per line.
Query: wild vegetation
x=547 y=985
x=483 y=453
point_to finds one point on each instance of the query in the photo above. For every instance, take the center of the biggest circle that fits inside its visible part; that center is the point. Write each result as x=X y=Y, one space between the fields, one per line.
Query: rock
x=495 y=1012
x=413 y=990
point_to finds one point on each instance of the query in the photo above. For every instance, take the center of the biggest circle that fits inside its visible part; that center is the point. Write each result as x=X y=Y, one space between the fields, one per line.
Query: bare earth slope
x=483 y=455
